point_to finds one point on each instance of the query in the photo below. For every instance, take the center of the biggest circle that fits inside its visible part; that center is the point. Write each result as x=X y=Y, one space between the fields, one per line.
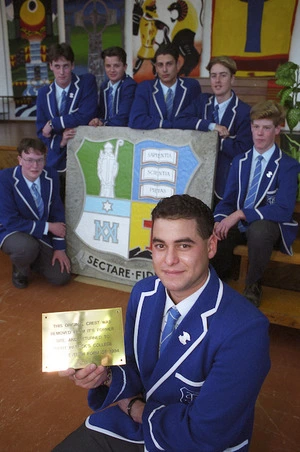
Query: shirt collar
x=165 y=88
x=37 y=182
x=266 y=155
x=114 y=86
x=59 y=89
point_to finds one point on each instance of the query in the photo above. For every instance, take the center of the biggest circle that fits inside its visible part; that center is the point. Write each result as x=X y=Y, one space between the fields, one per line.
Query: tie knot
x=173 y=312
x=259 y=158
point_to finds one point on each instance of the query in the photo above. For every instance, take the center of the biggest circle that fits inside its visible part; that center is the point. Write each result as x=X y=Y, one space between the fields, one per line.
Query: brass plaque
x=77 y=338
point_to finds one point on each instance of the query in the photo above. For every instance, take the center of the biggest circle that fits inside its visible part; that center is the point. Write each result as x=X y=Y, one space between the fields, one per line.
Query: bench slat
x=277 y=256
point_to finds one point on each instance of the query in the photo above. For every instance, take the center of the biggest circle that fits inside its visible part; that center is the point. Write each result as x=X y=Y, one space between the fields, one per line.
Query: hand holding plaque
x=73 y=339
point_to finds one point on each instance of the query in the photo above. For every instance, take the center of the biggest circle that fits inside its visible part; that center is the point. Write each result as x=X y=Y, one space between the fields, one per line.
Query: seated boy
x=258 y=202
x=117 y=92
x=32 y=219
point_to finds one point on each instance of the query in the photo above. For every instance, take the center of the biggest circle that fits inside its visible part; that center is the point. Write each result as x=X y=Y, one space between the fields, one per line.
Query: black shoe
x=253 y=292
x=18 y=279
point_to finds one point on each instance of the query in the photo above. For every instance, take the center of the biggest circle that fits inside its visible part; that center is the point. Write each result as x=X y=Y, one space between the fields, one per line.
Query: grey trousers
x=262 y=237
x=85 y=440
x=27 y=253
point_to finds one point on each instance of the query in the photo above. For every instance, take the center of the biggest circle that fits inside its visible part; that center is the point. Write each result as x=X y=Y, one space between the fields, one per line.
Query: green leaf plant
x=287 y=75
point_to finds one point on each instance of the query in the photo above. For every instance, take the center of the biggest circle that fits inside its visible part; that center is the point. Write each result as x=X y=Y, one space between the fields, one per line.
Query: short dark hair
x=57 y=51
x=115 y=51
x=28 y=144
x=189 y=208
x=225 y=61
x=167 y=49
x=268 y=110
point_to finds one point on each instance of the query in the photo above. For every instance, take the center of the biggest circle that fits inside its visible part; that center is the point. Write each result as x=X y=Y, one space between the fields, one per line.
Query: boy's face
x=180 y=256
x=263 y=134
x=32 y=164
x=221 y=81
x=114 y=68
x=166 y=69
x=62 y=70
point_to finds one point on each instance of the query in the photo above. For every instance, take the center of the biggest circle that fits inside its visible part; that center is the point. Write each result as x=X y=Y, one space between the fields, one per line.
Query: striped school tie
x=63 y=102
x=216 y=114
x=110 y=102
x=251 y=195
x=37 y=199
x=169 y=102
x=173 y=316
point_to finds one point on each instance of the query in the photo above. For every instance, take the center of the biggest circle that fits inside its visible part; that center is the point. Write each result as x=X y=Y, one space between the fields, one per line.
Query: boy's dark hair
x=268 y=110
x=188 y=208
x=28 y=144
x=57 y=51
x=167 y=49
x=115 y=51
x=225 y=61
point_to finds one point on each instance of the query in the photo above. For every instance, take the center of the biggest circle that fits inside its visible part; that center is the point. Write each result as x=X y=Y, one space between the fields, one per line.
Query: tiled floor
x=38 y=410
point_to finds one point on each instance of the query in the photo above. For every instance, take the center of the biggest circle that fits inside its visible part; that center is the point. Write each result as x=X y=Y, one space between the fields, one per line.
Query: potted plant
x=287 y=75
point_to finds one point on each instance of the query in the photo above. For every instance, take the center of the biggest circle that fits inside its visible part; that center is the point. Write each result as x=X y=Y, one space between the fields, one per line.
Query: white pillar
x=61 y=21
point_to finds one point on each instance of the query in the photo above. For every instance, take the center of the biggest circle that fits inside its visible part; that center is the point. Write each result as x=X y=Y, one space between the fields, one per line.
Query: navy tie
x=216 y=114
x=251 y=195
x=63 y=102
x=173 y=316
x=37 y=199
x=110 y=102
x=169 y=102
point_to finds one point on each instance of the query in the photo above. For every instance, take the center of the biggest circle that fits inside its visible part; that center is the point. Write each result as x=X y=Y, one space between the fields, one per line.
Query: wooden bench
x=281 y=306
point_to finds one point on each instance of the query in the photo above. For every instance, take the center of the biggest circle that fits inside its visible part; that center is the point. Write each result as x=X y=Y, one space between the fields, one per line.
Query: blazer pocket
x=187 y=381
x=270 y=197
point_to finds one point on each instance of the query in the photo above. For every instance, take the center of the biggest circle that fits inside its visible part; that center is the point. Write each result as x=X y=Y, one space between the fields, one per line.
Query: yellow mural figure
x=32 y=20
x=255 y=33
x=148 y=25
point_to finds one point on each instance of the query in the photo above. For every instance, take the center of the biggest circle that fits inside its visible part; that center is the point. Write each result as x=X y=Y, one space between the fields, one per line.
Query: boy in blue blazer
x=259 y=201
x=158 y=102
x=70 y=101
x=32 y=219
x=197 y=352
x=224 y=112
x=116 y=93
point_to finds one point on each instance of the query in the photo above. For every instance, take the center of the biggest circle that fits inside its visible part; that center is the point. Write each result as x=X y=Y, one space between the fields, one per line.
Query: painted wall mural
x=255 y=33
x=155 y=22
x=90 y=26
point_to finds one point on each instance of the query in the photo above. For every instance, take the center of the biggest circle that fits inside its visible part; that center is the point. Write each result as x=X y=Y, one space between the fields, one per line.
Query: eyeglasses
x=30 y=161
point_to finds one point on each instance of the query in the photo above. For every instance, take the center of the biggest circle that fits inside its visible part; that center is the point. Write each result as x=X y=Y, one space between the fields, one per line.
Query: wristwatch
x=50 y=123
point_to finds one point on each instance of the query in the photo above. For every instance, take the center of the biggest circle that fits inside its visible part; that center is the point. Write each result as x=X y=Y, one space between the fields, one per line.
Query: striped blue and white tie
x=173 y=316
x=110 y=102
x=37 y=199
x=251 y=195
x=169 y=102
x=63 y=102
x=216 y=114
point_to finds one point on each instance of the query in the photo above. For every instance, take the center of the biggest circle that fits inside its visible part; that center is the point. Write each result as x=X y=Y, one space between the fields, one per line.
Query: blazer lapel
x=73 y=93
x=159 y=99
x=179 y=97
x=230 y=112
x=51 y=101
x=208 y=108
x=244 y=174
x=46 y=191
